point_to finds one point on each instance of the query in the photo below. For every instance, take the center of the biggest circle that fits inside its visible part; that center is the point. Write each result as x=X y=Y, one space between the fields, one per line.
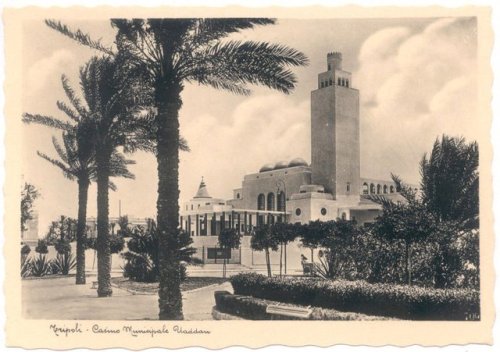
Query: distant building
x=327 y=189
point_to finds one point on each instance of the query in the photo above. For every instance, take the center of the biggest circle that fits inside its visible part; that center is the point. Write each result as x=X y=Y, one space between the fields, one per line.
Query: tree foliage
x=450 y=181
x=29 y=194
x=228 y=239
x=437 y=229
x=64 y=228
x=142 y=257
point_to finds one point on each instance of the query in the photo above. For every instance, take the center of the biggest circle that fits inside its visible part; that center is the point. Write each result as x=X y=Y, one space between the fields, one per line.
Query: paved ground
x=60 y=298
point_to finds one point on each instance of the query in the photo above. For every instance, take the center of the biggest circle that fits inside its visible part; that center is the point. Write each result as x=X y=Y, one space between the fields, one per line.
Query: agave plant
x=26 y=264
x=64 y=263
x=40 y=266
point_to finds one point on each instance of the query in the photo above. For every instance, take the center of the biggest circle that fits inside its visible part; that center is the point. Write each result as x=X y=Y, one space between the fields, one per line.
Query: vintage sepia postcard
x=231 y=176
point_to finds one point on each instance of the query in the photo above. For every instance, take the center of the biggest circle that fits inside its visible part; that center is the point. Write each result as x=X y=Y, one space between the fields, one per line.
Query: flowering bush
x=405 y=302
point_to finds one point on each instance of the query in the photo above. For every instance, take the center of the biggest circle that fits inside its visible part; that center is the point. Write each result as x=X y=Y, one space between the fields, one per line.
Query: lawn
x=191 y=283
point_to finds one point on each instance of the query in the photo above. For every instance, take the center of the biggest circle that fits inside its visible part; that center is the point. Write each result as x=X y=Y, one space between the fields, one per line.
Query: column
x=245 y=222
x=206 y=224
x=197 y=225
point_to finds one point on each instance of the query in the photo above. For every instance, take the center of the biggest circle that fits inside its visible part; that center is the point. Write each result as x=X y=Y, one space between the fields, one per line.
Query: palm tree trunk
x=83 y=190
x=168 y=103
x=103 y=250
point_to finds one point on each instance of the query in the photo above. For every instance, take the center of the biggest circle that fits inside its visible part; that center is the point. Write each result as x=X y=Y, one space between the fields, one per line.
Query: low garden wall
x=403 y=302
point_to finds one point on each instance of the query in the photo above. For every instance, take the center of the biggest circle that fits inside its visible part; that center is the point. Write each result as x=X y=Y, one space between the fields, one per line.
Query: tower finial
x=334 y=60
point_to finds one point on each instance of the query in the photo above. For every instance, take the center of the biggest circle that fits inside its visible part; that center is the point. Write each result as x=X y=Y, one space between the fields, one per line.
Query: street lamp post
x=281 y=183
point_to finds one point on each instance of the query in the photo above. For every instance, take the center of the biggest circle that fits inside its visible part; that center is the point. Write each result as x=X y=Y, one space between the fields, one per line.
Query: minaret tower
x=335 y=131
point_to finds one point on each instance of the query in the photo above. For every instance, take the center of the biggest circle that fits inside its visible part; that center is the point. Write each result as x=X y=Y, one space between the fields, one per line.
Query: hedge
x=255 y=309
x=404 y=302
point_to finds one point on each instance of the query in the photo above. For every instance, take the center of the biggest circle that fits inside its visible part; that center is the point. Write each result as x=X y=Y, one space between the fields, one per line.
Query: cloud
x=260 y=130
x=47 y=69
x=415 y=87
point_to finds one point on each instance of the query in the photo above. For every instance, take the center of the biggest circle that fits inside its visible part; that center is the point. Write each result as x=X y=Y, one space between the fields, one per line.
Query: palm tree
x=112 y=98
x=77 y=159
x=76 y=166
x=450 y=191
x=171 y=53
x=109 y=107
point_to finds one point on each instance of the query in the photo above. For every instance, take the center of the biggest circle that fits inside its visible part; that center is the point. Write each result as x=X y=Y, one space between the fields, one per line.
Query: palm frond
x=119 y=166
x=68 y=173
x=68 y=111
x=70 y=93
x=245 y=63
x=63 y=154
x=47 y=121
x=79 y=36
x=210 y=29
x=183 y=144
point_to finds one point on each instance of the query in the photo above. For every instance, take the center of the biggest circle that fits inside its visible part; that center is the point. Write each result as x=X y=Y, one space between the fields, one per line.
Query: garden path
x=60 y=298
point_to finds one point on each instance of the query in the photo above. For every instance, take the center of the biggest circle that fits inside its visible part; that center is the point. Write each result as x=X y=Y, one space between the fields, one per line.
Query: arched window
x=338 y=81
x=330 y=82
x=270 y=201
x=261 y=202
x=385 y=189
x=347 y=83
x=379 y=188
x=237 y=196
x=365 y=188
x=372 y=188
x=281 y=201
x=343 y=82
x=344 y=216
x=391 y=189
x=322 y=84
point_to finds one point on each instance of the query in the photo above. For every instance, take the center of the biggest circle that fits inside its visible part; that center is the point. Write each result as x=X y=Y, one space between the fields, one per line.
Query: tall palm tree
x=113 y=98
x=173 y=52
x=77 y=160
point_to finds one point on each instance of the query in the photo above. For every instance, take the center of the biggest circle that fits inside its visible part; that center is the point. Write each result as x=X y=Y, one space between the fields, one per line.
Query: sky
x=416 y=77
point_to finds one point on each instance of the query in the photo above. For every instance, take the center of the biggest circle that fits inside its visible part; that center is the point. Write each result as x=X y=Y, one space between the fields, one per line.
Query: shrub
x=62 y=246
x=41 y=266
x=142 y=256
x=25 y=250
x=255 y=309
x=63 y=263
x=41 y=247
x=405 y=302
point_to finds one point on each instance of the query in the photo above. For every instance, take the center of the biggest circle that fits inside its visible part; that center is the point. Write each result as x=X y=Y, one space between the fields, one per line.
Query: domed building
x=328 y=188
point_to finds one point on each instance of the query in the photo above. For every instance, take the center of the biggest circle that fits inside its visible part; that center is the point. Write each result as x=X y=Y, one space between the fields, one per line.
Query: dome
x=266 y=167
x=297 y=162
x=202 y=190
x=281 y=165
